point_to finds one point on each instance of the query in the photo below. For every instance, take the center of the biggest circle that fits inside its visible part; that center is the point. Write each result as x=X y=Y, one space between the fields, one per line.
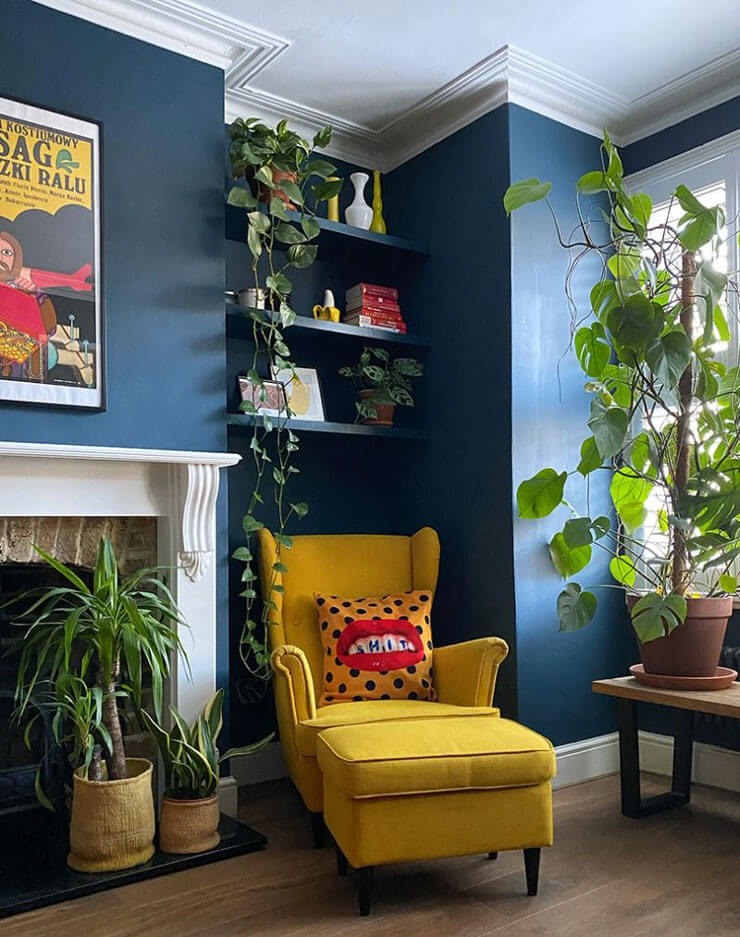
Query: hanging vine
x=281 y=174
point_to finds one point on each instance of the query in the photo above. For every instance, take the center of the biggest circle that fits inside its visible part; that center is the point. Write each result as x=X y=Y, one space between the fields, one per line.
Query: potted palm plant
x=188 y=821
x=663 y=419
x=381 y=383
x=82 y=651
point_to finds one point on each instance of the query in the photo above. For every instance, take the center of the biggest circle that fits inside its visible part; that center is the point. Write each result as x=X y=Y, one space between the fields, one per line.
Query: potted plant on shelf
x=663 y=420
x=83 y=650
x=278 y=244
x=188 y=821
x=381 y=382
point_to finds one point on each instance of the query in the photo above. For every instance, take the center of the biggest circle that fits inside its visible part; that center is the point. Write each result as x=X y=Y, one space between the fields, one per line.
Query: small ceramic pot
x=188 y=826
x=252 y=298
x=385 y=411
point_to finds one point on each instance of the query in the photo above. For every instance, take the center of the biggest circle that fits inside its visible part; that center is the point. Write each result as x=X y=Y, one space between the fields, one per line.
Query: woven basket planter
x=188 y=826
x=112 y=824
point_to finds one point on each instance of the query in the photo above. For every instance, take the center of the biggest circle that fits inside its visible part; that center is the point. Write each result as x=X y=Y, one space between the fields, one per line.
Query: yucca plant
x=190 y=753
x=104 y=636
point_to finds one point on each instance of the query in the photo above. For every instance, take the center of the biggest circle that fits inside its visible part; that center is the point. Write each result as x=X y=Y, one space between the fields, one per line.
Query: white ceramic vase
x=359 y=213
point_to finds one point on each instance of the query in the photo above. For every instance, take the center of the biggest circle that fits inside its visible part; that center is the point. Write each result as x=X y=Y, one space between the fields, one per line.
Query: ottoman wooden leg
x=532 y=869
x=317 y=827
x=365 y=889
x=493 y=855
x=341 y=862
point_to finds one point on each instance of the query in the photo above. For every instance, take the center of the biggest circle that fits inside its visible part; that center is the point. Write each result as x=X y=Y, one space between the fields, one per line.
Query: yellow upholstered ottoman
x=429 y=788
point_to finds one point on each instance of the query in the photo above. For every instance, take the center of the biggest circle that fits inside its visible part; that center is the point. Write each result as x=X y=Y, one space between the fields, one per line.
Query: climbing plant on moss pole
x=664 y=411
x=280 y=166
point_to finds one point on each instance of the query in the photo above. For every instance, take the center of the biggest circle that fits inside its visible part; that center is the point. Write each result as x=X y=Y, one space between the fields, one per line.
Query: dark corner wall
x=451 y=195
x=163 y=258
x=549 y=413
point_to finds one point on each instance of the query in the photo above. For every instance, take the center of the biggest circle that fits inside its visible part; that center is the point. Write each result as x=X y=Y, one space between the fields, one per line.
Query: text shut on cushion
x=383 y=759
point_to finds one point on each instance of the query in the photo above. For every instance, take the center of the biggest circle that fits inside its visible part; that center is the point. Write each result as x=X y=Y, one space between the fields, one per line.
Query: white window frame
x=698 y=169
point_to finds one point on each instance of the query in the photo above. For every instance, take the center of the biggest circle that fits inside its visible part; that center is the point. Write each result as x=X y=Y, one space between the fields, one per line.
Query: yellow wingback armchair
x=357 y=565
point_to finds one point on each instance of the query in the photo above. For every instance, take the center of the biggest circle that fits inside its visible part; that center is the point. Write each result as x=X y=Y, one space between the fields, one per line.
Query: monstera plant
x=663 y=419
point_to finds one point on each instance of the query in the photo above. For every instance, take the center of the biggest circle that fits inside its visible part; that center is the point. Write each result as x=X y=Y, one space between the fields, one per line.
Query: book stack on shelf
x=374 y=306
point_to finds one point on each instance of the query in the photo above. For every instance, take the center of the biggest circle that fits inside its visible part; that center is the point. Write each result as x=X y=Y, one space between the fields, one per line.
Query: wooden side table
x=684 y=704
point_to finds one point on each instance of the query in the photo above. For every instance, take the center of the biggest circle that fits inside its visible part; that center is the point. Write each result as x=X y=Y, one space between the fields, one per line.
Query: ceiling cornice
x=508 y=75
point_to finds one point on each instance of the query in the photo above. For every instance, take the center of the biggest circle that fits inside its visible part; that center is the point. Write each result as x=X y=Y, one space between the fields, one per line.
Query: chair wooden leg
x=532 y=869
x=341 y=862
x=493 y=855
x=365 y=889
x=317 y=826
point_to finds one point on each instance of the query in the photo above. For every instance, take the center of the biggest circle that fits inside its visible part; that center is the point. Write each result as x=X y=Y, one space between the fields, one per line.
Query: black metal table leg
x=633 y=804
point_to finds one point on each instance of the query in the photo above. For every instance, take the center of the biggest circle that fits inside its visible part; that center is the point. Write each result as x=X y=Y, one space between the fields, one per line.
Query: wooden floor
x=674 y=874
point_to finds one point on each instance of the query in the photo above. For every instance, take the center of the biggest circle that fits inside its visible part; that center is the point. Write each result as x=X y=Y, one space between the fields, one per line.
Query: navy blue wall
x=548 y=426
x=686 y=135
x=163 y=255
x=461 y=484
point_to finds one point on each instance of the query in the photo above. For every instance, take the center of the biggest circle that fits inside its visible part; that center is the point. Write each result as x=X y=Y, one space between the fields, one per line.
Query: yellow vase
x=378 y=222
x=332 y=204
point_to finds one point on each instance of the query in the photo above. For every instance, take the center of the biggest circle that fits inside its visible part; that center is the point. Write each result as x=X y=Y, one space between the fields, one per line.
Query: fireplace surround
x=176 y=489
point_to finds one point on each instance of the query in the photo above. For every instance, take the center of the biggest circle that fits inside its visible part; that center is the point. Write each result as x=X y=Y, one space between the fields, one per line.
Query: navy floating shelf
x=332 y=233
x=248 y=420
x=239 y=325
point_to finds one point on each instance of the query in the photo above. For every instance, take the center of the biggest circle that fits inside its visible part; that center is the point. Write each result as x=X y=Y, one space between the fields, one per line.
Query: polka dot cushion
x=376 y=648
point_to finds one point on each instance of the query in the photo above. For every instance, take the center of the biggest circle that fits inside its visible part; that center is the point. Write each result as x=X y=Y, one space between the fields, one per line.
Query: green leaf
x=242 y=198
x=524 y=192
x=577 y=532
x=625 y=263
x=609 y=426
x=668 y=356
x=328 y=189
x=592 y=350
x=566 y=560
x=301 y=509
x=699 y=223
x=601 y=527
x=287 y=234
x=728 y=583
x=302 y=255
x=291 y=190
x=311 y=227
x=576 y=609
x=540 y=495
x=603 y=298
x=590 y=457
x=251 y=524
x=629 y=493
x=592 y=182
x=654 y=616
x=623 y=570
x=280 y=283
x=635 y=322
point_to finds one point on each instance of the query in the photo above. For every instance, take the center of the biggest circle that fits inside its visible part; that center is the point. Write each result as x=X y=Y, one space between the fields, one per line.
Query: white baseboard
x=577 y=762
x=267 y=764
x=587 y=759
x=715 y=767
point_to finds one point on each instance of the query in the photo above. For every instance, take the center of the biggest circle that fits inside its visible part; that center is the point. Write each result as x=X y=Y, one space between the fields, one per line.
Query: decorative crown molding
x=507 y=75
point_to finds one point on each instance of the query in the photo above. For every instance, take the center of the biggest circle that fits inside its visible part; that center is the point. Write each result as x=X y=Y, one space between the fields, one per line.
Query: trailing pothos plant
x=280 y=165
x=663 y=408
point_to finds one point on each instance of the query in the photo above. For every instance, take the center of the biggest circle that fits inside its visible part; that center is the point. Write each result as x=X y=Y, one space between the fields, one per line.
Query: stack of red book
x=370 y=305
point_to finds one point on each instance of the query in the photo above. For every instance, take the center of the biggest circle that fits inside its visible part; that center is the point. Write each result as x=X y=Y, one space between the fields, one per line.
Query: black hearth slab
x=34 y=872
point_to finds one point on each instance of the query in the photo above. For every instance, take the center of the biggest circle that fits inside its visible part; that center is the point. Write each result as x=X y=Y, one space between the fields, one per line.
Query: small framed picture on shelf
x=269 y=399
x=303 y=391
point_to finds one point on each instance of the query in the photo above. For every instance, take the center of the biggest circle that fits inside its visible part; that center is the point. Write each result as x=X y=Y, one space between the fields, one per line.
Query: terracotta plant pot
x=112 y=825
x=692 y=649
x=263 y=194
x=385 y=411
x=187 y=826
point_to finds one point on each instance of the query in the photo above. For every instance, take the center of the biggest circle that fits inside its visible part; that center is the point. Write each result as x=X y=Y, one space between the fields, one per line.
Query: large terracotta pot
x=385 y=411
x=112 y=825
x=692 y=649
x=187 y=826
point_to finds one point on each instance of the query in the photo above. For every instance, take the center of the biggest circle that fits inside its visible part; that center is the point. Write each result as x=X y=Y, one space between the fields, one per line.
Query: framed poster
x=303 y=391
x=51 y=298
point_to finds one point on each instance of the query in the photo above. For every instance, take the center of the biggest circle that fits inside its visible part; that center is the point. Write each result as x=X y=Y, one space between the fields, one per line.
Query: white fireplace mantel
x=179 y=488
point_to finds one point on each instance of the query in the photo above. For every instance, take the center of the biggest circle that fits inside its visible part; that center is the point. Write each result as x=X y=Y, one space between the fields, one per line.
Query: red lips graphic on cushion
x=381 y=644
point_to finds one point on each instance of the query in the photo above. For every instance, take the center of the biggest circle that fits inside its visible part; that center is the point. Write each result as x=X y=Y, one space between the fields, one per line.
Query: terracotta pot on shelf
x=385 y=411
x=264 y=194
x=188 y=826
x=693 y=648
x=112 y=824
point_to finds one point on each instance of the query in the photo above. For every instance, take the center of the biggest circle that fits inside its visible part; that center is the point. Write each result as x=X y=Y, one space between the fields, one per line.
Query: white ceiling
x=394 y=76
